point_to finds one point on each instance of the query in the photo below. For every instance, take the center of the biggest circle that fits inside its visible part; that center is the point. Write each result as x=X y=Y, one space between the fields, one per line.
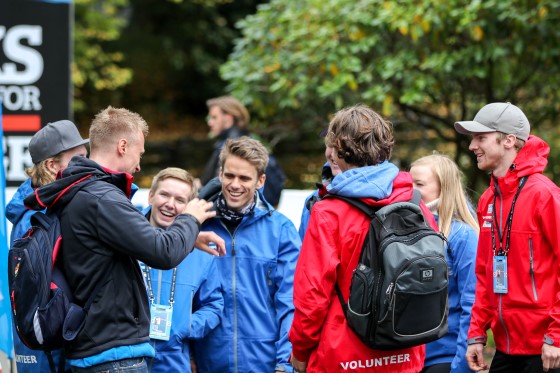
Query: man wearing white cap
x=517 y=265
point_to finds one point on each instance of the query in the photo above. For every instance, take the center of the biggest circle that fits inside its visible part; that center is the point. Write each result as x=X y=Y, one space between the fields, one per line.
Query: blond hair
x=452 y=200
x=112 y=123
x=232 y=106
x=40 y=174
x=174 y=173
x=248 y=149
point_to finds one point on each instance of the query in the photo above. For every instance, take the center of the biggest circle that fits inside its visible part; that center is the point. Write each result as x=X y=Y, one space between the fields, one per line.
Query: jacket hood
x=15 y=208
x=375 y=185
x=365 y=182
x=80 y=172
x=531 y=159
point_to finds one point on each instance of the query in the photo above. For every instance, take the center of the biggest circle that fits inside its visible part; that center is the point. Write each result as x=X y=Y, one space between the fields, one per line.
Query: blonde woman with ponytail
x=439 y=181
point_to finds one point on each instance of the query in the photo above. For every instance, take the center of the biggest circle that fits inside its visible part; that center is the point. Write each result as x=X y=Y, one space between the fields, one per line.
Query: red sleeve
x=550 y=219
x=314 y=282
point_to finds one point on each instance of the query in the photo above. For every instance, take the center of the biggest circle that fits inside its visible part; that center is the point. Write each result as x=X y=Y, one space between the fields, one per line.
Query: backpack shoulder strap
x=416 y=197
x=364 y=207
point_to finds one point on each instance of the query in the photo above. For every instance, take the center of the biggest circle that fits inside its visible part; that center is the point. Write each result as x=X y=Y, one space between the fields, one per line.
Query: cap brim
x=83 y=142
x=470 y=127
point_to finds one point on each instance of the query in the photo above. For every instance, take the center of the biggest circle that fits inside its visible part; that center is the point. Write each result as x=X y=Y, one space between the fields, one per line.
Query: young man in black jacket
x=104 y=236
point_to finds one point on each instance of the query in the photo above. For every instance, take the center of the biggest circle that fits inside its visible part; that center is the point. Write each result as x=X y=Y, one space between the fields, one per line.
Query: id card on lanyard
x=161 y=315
x=160 y=323
x=500 y=274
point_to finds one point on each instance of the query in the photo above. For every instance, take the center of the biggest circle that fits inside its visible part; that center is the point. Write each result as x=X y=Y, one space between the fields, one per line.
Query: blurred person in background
x=228 y=118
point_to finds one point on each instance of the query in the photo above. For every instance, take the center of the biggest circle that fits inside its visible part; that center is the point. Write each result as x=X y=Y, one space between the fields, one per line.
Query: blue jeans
x=135 y=365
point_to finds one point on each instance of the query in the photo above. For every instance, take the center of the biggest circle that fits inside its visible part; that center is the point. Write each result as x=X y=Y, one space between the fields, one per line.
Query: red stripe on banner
x=21 y=123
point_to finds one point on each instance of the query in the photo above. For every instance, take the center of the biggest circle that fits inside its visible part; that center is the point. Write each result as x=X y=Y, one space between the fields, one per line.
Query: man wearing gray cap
x=517 y=265
x=51 y=149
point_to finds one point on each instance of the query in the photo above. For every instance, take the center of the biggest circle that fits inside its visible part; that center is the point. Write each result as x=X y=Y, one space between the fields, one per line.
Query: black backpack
x=398 y=294
x=42 y=303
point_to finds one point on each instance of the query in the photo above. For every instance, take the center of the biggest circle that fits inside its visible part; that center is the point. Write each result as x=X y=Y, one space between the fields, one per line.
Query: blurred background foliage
x=422 y=63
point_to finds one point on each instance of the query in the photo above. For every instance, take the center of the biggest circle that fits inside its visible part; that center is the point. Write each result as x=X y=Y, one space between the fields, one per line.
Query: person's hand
x=200 y=209
x=211 y=243
x=299 y=366
x=550 y=357
x=475 y=357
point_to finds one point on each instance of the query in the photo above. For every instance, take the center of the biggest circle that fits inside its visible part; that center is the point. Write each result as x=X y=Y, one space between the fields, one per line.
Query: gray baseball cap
x=497 y=117
x=54 y=138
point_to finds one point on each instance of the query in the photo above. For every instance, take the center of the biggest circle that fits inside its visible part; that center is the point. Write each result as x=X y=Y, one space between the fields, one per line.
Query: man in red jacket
x=517 y=266
x=362 y=143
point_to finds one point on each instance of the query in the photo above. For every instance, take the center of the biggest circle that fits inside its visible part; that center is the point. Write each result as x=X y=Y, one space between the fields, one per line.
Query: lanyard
x=508 y=222
x=173 y=283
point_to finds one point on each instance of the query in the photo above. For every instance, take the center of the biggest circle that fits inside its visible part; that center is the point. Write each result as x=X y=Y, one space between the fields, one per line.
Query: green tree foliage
x=424 y=64
x=175 y=48
x=96 y=66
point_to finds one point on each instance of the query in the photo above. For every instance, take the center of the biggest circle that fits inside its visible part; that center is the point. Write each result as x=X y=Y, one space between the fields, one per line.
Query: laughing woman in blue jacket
x=188 y=298
x=438 y=179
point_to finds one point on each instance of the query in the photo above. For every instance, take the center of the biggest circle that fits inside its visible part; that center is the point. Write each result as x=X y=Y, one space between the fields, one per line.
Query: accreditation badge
x=500 y=274
x=160 y=323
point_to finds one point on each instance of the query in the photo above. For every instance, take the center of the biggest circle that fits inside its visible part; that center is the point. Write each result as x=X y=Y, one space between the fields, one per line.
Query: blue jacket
x=197 y=310
x=463 y=241
x=326 y=179
x=27 y=360
x=257 y=276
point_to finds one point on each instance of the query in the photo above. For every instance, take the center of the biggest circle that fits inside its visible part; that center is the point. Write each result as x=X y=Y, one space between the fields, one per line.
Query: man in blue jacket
x=190 y=293
x=257 y=271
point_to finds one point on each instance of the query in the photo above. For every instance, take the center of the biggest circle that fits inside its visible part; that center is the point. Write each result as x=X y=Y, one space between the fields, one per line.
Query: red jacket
x=530 y=310
x=330 y=252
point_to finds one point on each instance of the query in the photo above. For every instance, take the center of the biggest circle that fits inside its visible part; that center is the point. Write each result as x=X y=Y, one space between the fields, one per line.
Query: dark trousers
x=437 y=368
x=504 y=363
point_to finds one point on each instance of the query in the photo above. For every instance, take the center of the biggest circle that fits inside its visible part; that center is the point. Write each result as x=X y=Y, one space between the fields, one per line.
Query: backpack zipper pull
x=389 y=288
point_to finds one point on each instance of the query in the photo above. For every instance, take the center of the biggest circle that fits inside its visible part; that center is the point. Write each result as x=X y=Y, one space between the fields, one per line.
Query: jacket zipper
x=233 y=290
x=531 y=269
x=503 y=323
x=191 y=312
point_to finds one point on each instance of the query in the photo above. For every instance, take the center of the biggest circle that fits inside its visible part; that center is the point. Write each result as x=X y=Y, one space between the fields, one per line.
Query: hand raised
x=200 y=209
x=205 y=240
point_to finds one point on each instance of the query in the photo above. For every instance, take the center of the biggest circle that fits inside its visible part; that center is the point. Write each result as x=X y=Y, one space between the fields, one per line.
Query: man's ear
x=510 y=141
x=230 y=120
x=122 y=144
x=220 y=176
x=52 y=166
x=260 y=181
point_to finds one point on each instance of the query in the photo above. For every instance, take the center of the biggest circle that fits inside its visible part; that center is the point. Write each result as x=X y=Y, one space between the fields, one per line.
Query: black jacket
x=104 y=236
